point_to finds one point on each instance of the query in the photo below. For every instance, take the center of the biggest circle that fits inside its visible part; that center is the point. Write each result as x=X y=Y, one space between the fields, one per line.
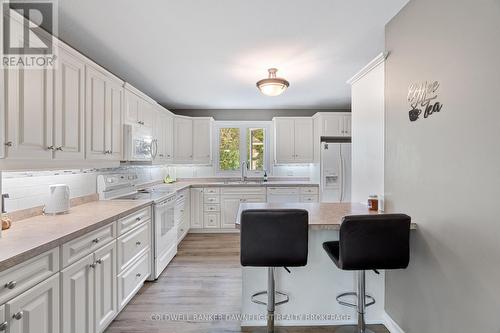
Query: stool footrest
x=283 y=301
x=371 y=300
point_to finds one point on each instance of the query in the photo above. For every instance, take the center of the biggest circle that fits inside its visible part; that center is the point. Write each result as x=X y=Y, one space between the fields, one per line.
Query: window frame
x=243 y=126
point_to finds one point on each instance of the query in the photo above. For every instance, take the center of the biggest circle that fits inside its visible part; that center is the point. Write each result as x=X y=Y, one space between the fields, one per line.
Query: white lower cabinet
x=230 y=205
x=105 y=286
x=89 y=292
x=77 y=307
x=36 y=310
x=196 y=208
x=3 y=323
x=132 y=278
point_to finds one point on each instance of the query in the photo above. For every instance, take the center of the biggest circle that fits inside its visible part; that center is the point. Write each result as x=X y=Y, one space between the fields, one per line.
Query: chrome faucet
x=244 y=168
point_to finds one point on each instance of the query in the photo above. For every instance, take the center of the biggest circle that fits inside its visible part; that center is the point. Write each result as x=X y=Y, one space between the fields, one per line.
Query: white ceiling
x=209 y=54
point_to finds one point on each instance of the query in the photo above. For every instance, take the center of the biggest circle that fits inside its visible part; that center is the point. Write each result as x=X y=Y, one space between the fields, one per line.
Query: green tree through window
x=255 y=149
x=229 y=149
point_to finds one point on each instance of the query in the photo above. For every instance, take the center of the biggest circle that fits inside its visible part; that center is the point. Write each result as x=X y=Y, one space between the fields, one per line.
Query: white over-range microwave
x=138 y=143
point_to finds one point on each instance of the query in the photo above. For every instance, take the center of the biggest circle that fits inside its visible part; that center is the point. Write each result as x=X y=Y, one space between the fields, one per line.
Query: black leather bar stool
x=273 y=238
x=369 y=242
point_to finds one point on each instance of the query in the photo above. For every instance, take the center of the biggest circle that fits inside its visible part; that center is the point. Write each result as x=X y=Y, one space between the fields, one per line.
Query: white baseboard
x=257 y=323
x=391 y=325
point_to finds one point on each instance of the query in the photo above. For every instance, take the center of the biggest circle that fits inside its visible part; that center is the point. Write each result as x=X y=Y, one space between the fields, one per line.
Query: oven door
x=165 y=234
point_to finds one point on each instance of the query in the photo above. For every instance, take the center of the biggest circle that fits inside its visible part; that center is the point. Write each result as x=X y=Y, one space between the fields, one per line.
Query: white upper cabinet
x=69 y=106
x=29 y=112
x=139 y=108
x=202 y=143
x=293 y=140
x=183 y=140
x=162 y=135
x=303 y=140
x=104 y=104
x=335 y=124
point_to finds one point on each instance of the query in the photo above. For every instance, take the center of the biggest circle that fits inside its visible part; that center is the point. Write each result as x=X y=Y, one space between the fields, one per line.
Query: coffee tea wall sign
x=423 y=97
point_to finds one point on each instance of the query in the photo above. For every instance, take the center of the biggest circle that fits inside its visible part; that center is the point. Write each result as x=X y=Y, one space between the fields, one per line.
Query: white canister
x=58 y=200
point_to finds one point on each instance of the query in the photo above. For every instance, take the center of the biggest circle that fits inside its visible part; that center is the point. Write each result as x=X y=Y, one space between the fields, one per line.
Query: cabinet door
x=186 y=218
x=333 y=125
x=36 y=310
x=146 y=112
x=202 y=140
x=229 y=210
x=69 y=107
x=303 y=138
x=105 y=303
x=197 y=208
x=131 y=107
x=29 y=112
x=3 y=323
x=169 y=137
x=77 y=307
x=113 y=130
x=284 y=138
x=183 y=139
x=347 y=125
x=96 y=96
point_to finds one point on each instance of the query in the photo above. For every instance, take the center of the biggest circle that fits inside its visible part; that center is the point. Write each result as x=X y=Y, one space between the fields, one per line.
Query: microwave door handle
x=155 y=145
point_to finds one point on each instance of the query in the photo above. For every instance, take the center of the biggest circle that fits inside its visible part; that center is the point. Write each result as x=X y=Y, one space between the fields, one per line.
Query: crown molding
x=371 y=65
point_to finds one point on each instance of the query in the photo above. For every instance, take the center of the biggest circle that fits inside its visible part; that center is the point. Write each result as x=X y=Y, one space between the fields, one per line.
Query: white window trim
x=243 y=126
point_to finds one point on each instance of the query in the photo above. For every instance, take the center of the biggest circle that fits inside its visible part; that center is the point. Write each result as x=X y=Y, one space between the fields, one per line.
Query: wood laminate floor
x=203 y=279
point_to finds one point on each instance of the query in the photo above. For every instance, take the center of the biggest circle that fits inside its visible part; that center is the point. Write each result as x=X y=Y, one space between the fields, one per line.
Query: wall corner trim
x=390 y=324
x=371 y=65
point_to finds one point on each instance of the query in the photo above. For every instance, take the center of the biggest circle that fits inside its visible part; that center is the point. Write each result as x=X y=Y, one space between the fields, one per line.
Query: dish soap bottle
x=265 y=176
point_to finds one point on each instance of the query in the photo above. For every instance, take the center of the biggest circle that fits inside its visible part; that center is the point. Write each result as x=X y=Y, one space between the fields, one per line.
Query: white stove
x=164 y=230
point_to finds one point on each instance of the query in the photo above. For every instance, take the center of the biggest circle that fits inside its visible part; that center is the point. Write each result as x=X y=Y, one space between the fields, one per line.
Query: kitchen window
x=238 y=142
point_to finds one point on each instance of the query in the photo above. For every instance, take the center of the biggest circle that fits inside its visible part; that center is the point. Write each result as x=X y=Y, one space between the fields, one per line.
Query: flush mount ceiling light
x=272 y=86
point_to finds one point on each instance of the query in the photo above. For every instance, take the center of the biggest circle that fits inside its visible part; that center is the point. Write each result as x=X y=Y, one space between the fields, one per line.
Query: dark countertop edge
x=31 y=253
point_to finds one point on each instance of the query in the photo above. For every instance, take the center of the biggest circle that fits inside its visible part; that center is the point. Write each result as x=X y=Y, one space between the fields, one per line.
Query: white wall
x=444 y=170
x=368 y=134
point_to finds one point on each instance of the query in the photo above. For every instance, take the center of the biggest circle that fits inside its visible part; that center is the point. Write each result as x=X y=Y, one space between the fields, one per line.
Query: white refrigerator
x=336 y=171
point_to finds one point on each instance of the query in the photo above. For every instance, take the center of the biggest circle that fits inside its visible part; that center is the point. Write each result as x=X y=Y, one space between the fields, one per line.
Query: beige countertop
x=321 y=215
x=180 y=185
x=31 y=237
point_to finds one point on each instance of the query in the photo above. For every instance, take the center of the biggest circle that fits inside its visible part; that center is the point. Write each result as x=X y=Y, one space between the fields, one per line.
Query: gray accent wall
x=251 y=114
x=444 y=170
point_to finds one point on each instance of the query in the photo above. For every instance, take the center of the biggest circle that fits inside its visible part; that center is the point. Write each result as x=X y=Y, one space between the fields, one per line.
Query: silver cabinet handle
x=3 y=326
x=50 y=148
x=96 y=240
x=18 y=316
x=92 y=265
x=138 y=274
x=59 y=148
x=138 y=243
x=11 y=284
x=98 y=261
x=8 y=143
x=138 y=218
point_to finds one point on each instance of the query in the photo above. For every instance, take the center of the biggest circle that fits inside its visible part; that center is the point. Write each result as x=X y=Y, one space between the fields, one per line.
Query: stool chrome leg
x=360 y=307
x=270 y=299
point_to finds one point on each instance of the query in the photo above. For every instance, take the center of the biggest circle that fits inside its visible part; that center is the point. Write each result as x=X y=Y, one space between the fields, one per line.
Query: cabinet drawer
x=212 y=208
x=212 y=199
x=133 y=244
x=211 y=220
x=282 y=190
x=20 y=278
x=309 y=190
x=309 y=198
x=133 y=220
x=258 y=190
x=182 y=231
x=131 y=280
x=182 y=195
x=211 y=190
x=88 y=243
